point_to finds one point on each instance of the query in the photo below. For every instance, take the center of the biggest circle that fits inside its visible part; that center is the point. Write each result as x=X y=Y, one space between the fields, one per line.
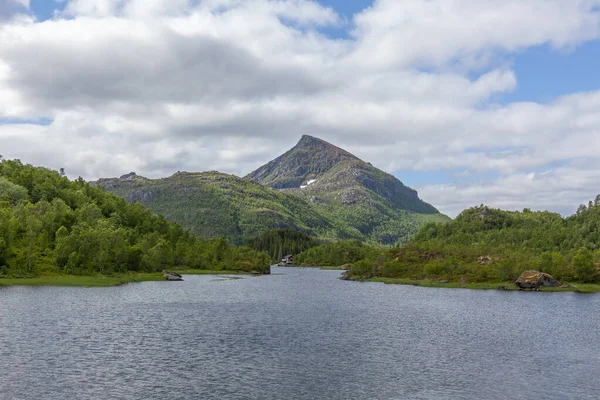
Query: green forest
x=336 y=254
x=485 y=245
x=52 y=225
x=278 y=243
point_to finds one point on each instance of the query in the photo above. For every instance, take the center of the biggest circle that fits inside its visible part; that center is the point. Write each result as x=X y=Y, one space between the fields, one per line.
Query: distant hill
x=315 y=187
x=214 y=204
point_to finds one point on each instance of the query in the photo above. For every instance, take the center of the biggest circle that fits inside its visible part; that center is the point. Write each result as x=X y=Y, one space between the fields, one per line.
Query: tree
x=583 y=264
x=11 y=192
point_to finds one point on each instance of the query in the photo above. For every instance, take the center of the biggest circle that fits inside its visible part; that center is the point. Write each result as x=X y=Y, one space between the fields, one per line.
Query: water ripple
x=298 y=334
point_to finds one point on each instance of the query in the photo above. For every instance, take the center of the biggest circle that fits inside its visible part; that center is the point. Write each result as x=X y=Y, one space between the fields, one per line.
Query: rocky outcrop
x=171 y=276
x=535 y=280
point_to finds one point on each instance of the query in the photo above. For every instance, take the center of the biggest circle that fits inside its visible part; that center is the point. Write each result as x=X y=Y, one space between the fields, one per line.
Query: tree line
x=278 y=243
x=50 y=224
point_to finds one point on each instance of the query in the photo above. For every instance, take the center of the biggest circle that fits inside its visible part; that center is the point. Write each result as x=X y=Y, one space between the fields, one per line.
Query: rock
x=171 y=276
x=484 y=260
x=345 y=276
x=503 y=287
x=535 y=280
x=444 y=281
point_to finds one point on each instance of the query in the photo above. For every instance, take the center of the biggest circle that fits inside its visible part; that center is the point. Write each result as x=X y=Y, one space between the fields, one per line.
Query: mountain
x=315 y=187
x=344 y=188
x=320 y=168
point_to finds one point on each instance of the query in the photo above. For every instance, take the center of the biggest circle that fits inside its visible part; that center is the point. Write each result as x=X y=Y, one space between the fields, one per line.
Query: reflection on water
x=297 y=334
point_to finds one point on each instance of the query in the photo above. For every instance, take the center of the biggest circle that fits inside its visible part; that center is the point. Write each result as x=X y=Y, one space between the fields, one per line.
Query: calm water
x=298 y=334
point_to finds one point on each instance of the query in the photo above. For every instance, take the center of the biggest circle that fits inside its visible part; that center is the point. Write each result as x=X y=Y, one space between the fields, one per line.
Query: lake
x=297 y=334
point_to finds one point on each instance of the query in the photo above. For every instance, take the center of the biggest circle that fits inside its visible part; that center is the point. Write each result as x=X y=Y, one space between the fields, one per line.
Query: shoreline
x=90 y=281
x=340 y=268
x=504 y=286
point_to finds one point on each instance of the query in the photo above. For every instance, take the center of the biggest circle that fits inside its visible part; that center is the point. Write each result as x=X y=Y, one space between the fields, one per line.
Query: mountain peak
x=326 y=149
x=307 y=140
x=308 y=159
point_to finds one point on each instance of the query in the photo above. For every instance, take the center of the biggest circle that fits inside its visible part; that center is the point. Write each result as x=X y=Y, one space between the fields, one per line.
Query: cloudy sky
x=468 y=101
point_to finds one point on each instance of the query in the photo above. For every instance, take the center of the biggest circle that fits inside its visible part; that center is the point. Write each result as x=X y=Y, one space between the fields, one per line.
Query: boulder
x=535 y=280
x=171 y=276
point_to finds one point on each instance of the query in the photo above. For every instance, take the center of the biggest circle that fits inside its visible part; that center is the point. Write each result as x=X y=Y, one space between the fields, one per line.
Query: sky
x=470 y=102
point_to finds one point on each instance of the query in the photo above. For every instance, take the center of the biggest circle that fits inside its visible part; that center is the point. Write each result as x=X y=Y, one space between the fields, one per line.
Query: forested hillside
x=484 y=244
x=213 y=204
x=49 y=224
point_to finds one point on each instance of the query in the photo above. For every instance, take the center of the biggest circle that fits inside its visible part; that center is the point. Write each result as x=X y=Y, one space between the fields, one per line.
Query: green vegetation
x=212 y=204
x=349 y=199
x=336 y=254
x=278 y=243
x=80 y=280
x=51 y=225
x=488 y=247
x=580 y=288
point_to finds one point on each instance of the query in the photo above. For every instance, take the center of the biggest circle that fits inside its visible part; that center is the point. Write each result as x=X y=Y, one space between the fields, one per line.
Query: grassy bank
x=102 y=280
x=569 y=287
x=78 y=280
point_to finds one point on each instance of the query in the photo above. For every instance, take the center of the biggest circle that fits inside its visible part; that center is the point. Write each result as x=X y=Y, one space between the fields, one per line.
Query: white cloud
x=561 y=190
x=165 y=85
x=395 y=33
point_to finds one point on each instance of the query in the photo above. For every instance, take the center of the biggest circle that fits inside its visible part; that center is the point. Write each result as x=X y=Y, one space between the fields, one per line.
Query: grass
x=78 y=280
x=570 y=287
x=102 y=280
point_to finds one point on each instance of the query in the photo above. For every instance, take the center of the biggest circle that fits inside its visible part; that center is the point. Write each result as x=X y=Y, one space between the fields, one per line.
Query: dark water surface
x=298 y=334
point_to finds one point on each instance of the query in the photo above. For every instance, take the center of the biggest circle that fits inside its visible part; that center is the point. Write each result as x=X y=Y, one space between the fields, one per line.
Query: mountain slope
x=214 y=204
x=315 y=187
